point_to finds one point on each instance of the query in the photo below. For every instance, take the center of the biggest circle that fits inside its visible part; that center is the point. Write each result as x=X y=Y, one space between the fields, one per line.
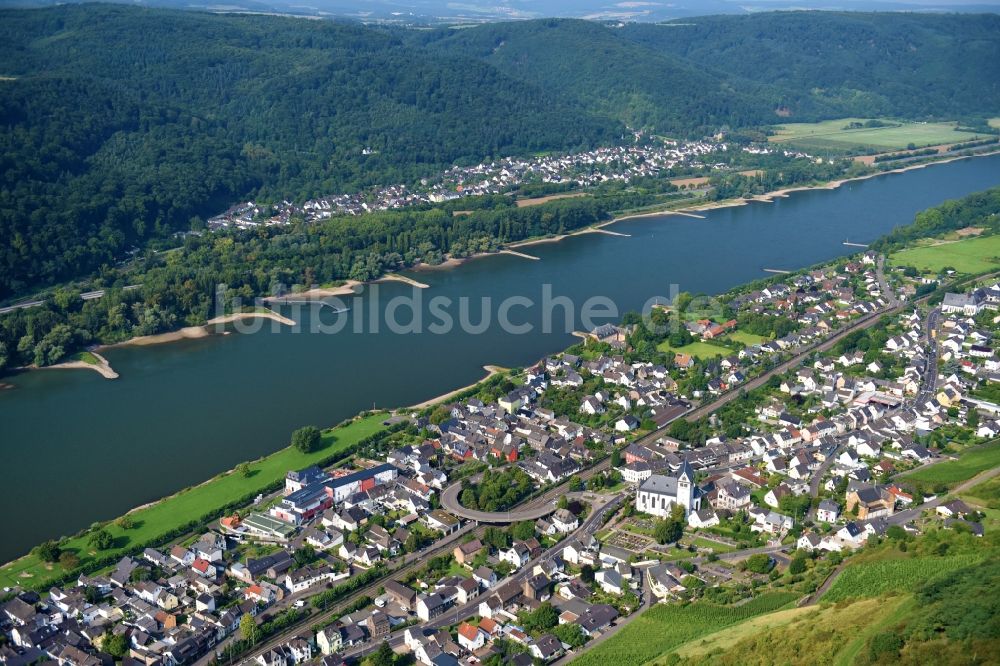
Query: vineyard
x=664 y=627
x=953 y=472
x=871 y=579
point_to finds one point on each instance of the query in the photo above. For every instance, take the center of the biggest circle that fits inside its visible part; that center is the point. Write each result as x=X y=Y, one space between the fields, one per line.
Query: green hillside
x=845 y=64
x=121 y=124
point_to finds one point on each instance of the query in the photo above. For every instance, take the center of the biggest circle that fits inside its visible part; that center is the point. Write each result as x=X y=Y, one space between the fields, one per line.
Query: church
x=658 y=493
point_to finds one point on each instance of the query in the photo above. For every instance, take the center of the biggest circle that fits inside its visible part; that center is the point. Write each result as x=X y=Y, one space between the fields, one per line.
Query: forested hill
x=897 y=64
x=596 y=67
x=120 y=124
x=695 y=74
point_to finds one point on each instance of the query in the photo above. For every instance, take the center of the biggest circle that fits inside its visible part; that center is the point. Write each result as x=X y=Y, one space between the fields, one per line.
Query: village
x=646 y=157
x=691 y=454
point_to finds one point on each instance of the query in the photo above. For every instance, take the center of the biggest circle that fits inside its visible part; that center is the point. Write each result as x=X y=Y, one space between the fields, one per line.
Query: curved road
x=450 y=503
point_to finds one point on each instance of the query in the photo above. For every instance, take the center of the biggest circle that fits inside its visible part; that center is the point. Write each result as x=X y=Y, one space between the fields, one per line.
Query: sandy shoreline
x=196 y=332
x=491 y=370
x=102 y=367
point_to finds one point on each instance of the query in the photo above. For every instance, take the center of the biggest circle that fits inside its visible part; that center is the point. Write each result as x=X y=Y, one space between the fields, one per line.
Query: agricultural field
x=664 y=627
x=189 y=505
x=697 y=349
x=986 y=493
x=872 y=579
x=994 y=122
x=830 y=136
x=827 y=634
x=970 y=256
x=952 y=472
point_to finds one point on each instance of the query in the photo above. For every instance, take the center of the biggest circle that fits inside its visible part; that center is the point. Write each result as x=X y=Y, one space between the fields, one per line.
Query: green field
x=177 y=510
x=972 y=255
x=986 y=493
x=953 y=472
x=665 y=626
x=697 y=349
x=749 y=339
x=872 y=579
x=830 y=135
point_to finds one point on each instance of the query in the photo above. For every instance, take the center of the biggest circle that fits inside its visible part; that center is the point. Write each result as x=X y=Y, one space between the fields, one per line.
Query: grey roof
x=660 y=484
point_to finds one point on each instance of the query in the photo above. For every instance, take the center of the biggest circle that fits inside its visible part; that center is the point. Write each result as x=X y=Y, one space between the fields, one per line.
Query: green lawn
x=193 y=503
x=749 y=339
x=701 y=542
x=665 y=626
x=953 y=472
x=697 y=349
x=972 y=255
x=831 y=135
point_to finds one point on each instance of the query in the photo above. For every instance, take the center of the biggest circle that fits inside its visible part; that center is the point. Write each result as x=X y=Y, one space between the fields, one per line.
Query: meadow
x=972 y=255
x=831 y=136
x=174 y=512
x=952 y=472
x=664 y=627
x=697 y=349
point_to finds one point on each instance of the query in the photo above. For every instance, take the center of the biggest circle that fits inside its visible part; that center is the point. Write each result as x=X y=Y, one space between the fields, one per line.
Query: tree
x=759 y=563
x=440 y=415
x=570 y=633
x=541 y=619
x=306 y=439
x=383 y=656
x=48 y=551
x=797 y=565
x=243 y=469
x=563 y=502
x=523 y=530
x=125 y=522
x=304 y=555
x=249 y=629
x=115 y=644
x=68 y=560
x=101 y=540
x=587 y=573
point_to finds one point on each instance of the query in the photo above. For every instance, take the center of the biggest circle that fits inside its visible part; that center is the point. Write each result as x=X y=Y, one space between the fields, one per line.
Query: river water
x=78 y=448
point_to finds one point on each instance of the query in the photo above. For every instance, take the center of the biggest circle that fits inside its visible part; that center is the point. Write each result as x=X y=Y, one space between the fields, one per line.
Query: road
x=592 y=523
x=450 y=503
x=86 y=296
x=412 y=562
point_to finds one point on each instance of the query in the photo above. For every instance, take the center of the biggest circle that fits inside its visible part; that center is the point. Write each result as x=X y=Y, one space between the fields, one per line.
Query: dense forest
x=844 y=64
x=123 y=124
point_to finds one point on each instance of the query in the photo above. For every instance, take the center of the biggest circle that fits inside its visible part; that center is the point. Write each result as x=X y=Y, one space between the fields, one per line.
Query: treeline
x=179 y=288
x=981 y=209
x=792 y=172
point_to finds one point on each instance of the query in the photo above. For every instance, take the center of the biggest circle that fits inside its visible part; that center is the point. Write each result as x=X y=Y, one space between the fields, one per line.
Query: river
x=79 y=448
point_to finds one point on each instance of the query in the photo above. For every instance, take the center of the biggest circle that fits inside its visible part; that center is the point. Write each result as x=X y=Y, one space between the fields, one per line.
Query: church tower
x=686 y=488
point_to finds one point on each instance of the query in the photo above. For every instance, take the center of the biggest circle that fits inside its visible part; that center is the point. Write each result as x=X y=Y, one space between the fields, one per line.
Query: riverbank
x=169 y=514
x=203 y=331
x=95 y=362
x=491 y=370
